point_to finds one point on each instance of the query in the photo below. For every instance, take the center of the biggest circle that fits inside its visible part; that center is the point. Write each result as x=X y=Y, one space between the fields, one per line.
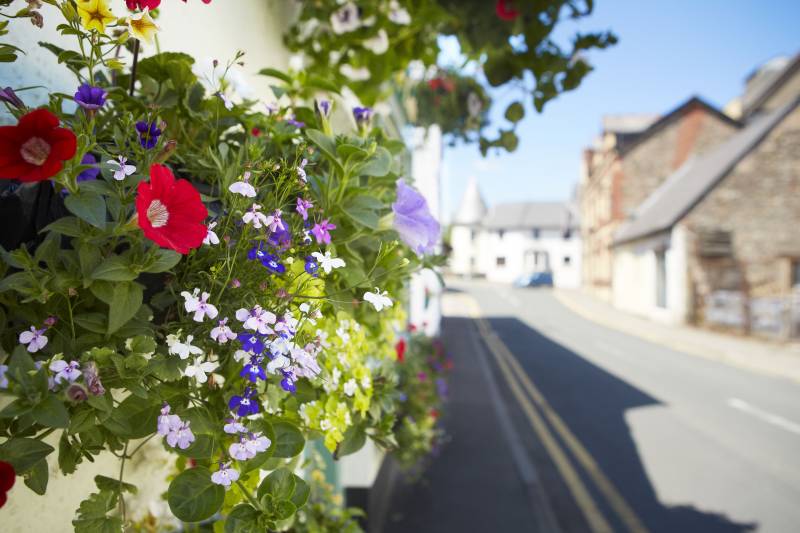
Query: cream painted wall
x=634 y=282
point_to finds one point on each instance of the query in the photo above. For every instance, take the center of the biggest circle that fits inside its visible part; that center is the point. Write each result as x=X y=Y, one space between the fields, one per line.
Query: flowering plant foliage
x=368 y=44
x=182 y=278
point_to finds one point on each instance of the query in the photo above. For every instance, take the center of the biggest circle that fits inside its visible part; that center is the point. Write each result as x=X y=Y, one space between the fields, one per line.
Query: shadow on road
x=473 y=485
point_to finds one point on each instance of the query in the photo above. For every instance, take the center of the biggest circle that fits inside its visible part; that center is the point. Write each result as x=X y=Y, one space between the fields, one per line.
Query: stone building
x=716 y=244
x=631 y=158
x=515 y=239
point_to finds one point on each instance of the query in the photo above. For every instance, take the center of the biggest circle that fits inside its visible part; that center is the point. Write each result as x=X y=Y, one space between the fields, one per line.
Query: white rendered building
x=515 y=239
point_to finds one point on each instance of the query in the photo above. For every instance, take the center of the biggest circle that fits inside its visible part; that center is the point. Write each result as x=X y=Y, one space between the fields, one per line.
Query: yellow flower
x=142 y=26
x=95 y=14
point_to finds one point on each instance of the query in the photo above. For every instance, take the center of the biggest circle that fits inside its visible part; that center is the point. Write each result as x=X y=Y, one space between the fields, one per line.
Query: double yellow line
x=533 y=402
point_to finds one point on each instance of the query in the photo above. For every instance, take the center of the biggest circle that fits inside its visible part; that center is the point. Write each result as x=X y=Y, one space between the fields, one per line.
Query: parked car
x=537 y=279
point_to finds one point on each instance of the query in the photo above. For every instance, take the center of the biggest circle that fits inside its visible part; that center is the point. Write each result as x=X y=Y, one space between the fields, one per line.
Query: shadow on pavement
x=473 y=484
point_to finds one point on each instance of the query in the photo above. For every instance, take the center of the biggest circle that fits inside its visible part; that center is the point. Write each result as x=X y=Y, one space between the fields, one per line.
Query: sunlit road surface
x=626 y=435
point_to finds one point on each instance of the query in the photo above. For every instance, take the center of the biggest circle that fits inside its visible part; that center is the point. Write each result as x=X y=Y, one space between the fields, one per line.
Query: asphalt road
x=591 y=429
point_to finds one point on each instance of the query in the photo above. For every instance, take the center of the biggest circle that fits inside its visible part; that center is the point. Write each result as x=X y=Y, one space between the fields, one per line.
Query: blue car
x=537 y=279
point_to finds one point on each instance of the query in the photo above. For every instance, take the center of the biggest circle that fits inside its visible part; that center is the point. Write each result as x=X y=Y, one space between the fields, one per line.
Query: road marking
x=766 y=416
x=588 y=507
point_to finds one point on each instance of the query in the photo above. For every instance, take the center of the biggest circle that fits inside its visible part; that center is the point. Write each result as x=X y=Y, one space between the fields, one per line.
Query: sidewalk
x=770 y=358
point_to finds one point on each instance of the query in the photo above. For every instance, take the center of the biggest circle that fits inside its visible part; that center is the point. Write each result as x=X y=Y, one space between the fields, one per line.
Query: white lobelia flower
x=352 y=73
x=280 y=361
x=327 y=262
x=211 y=236
x=256 y=218
x=222 y=333
x=122 y=168
x=241 y=355
x=350 y=387
x=182 y=349
x=243 y=187
x=378 y=299
x=199 y=370
x=377 y=44
x=199 y=306
x=227 y=102
x=345 y=19
x=258 y=319
x=398 y=14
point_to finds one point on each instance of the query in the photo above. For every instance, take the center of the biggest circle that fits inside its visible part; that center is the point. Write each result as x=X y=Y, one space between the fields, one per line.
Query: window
x=661 y=278
x=535 y=233
x=500 y=234
x=501 y=261
x=567 y=260
x=567 y=234
x=796 y=273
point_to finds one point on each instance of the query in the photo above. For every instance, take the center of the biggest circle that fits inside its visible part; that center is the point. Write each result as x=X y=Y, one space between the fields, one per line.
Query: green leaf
x=23 y=453
x=92 y=517
x=515 y=112
x=243 y=519
x=354 y=439
x=37 y=478
x=275 y=73
x=279 y=483
x=165 y=260
x=326 y=145
x=134 y=418
x=316 y=82
x=301 y=492
x=125 y=302
x=114 y=268
x=378 y=165
x=69 y=226
x=88 y=206
x=193 y=497
x=114 y=485
x=51 y=412
x=289 y=441
x=94 y=322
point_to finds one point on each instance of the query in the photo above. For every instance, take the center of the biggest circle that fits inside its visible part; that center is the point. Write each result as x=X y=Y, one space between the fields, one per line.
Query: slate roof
x=765 y=81
x=528 y=215
x=688 y=185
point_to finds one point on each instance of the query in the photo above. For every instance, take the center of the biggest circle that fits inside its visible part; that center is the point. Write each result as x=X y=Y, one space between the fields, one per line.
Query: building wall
x=635 y=284
x=619 y=182
x=463 y=259
x=785 y=94
x=759 y=204
x=512 y=247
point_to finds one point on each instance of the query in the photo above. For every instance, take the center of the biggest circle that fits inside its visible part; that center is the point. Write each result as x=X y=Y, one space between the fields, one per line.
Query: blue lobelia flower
x=273 y=265
x=413 y=220
x=311 y=266
x=251 y=342
x=244 y=405
x=253 y=370
x=148 y=134
x=288 y=381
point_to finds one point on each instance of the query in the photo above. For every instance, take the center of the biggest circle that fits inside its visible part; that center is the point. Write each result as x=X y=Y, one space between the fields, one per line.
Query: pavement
x=780 y=359
x=562 y=424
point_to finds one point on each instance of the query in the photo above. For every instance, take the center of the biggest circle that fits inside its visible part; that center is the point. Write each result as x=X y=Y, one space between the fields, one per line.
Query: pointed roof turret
x=472 y=208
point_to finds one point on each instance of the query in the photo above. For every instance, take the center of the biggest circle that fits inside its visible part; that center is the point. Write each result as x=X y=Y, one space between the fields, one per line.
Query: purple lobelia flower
x=35 y=339
x=294 y=122
x=323 y=107
x=280 y=239
x=234 y=427
x=288 y=381
x=166 y=421
x=89 y=97
x=65 y=371
x=92 y=379
x=302 y=207
x=225 y=475
x=413 y=220
x=321 y=231
x=180 y=435
x=311 y=266
x=89 y=173
x=148 y=134
x=244 y=404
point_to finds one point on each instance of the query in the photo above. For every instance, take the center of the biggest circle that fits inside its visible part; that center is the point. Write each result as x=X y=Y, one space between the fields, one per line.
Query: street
x=560 y=424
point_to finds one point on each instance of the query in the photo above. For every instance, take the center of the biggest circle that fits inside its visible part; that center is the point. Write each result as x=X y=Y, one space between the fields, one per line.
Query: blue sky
x=667 y=52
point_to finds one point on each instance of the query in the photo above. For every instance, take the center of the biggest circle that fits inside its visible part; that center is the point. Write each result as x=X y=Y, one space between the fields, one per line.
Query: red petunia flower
x=35 y=148
x=255 y=132
x=170 y=211
x=505 y=10
x=7 y=479
x=141 y=4
x=400 y=348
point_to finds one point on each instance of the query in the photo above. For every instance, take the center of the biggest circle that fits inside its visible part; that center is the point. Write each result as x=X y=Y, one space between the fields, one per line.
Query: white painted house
x=515 y=239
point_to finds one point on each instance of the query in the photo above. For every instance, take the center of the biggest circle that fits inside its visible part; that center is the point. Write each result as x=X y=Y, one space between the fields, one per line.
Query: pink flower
x=302 y=207
x=321 y=231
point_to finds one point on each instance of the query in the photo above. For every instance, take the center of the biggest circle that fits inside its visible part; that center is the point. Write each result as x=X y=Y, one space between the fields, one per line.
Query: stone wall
x=759 y=204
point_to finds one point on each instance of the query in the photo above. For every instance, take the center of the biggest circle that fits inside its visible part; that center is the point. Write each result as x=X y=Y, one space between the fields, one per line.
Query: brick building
x=716 y=243
x=632 y=157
